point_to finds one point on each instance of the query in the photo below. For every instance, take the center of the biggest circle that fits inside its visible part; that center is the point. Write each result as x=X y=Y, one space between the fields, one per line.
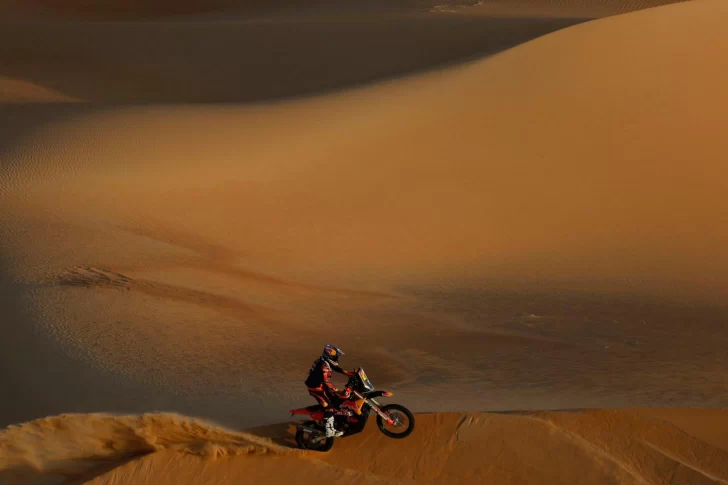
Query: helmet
x=331 y=354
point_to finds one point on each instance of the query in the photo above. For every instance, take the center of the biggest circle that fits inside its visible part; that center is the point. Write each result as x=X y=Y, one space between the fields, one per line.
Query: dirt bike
x=352 y=414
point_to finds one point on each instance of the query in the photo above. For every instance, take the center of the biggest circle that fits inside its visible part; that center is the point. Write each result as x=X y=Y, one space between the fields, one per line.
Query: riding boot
x=331 y=432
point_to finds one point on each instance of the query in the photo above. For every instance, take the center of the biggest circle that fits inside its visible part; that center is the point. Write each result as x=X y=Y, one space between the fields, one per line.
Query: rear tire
x=305 y=442
x=398 y=411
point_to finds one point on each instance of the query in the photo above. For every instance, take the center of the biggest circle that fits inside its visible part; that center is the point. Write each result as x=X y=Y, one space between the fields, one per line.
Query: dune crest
x=19 y=91
x=155 y=9
x=72 y=446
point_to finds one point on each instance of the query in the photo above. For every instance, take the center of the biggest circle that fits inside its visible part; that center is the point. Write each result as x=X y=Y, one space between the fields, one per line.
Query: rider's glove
x=350 y=373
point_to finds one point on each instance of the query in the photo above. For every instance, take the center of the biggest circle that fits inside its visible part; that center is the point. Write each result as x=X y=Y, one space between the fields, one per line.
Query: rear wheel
x=404 y=421
x=313 y=441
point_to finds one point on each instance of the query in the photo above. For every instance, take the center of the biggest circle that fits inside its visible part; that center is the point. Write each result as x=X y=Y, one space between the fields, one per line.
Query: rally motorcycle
x=352 y=413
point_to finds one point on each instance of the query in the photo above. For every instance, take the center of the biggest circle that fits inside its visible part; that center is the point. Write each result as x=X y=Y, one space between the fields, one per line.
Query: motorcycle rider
x=323 y=390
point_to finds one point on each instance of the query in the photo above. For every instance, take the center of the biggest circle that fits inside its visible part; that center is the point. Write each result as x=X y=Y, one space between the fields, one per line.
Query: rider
x=320 y=386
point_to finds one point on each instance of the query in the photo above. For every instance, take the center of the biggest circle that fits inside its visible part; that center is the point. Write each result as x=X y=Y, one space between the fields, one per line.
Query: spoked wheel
x=404 y=421
x=313 y=441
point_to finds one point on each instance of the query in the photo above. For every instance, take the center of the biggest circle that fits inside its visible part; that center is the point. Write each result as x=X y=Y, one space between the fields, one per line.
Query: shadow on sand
x=249 y=61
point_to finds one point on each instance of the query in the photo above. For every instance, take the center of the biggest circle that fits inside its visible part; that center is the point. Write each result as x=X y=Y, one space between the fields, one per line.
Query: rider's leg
x=330 y=412
x=320 y=396
x=331 y=431
x=322 y=399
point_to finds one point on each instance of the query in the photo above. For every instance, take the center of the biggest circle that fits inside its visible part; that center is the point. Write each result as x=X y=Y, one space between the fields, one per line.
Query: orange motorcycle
x=352 y=414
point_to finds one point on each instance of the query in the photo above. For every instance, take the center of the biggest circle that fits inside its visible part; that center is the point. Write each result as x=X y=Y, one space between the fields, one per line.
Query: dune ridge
x=245 y=61
x=242 y=58
x=71 y=446
x=171 y=9
x=19 y=91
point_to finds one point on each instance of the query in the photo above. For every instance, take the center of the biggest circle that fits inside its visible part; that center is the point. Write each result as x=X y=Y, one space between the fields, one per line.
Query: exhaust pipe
x=310 y=430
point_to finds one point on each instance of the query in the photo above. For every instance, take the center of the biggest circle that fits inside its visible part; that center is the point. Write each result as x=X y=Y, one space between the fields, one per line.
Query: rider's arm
x=338 y=369
x=331 y=387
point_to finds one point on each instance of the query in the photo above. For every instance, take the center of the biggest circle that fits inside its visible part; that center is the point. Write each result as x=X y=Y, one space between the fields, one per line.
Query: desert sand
x=489 y=205
x=592 y=446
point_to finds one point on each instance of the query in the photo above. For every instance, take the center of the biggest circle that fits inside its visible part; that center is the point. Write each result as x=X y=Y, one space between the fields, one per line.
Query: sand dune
x=249 y=60
x=16 y=91
x=125 y=10
x=236 y=56
x=155 y=9
x=596 y=447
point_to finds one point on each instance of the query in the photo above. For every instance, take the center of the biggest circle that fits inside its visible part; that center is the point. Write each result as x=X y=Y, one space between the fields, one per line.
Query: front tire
x=404 y=421
x=306 y=441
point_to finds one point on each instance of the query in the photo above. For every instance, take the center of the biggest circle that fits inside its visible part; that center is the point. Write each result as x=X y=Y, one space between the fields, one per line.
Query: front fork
x=375 y=406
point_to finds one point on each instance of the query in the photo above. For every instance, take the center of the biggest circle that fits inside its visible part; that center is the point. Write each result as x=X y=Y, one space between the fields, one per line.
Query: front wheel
x=404 y=421
x=311 y=441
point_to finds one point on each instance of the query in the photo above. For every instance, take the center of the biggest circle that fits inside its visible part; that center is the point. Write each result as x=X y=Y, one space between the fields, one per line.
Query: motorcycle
x=352 y=414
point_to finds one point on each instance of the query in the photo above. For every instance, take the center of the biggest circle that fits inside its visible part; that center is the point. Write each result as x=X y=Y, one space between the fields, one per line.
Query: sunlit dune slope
x=546 y=160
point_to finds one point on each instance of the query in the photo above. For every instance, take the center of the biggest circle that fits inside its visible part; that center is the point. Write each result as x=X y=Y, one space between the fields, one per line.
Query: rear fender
x=316 y=412
x=315 y=415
